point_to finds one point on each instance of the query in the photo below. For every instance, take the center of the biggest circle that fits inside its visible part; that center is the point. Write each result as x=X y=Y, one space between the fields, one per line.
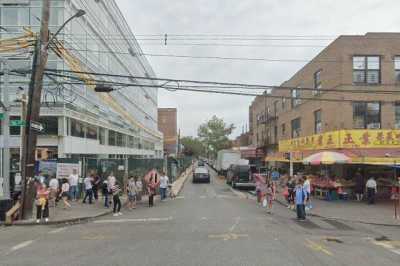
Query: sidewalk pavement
x=82 y=212
x=381 y=213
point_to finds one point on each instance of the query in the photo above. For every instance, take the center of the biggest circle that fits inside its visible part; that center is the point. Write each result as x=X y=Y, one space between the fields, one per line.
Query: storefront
x=373 y=153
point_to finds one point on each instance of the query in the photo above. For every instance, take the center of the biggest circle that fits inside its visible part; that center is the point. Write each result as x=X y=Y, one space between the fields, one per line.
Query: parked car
x=200 y=163
x=240 y=176
x=201 y=174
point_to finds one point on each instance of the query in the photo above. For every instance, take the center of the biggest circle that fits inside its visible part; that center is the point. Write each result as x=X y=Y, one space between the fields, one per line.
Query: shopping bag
x=265 y=203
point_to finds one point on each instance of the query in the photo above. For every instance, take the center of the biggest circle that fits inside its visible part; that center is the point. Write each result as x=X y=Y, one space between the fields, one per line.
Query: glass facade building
x=80 y=122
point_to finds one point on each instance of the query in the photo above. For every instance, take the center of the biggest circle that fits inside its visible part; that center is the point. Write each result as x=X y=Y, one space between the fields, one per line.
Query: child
x=269 y=196
x=42 y=203
x=115 y=190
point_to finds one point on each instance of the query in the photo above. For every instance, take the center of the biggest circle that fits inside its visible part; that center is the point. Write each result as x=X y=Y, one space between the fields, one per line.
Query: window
x=296 y=127
x=295 y=98
x=131 y=142
x=283 y=129
x=112 y=138
x=15 y=130
x=317 y=122
x=275 y=108
x=91 y=132
x=367 y=115
x=102 y=136
x=120 y=137
x=283 y=103
x=77 y=129
x=50 y=124
x=397 y=115
x=275 y=134
x=317 y=83
x=397 y=68
x=366 y=69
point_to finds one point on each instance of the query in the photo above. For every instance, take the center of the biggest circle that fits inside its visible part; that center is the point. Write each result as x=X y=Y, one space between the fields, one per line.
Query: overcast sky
x=244 y=17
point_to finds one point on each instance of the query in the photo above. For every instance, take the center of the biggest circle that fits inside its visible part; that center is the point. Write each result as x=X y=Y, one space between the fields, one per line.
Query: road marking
x=235 y=224
x=393 y=246
x=203 y=197
x=229 y=236
x=134 y=220
x=180 y=197
x=318 y=247
x=203 y=218
x=59 y=230
x=21 y=245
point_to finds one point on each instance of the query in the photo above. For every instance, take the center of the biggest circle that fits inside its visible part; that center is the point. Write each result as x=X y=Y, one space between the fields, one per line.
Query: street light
x=78 y=14
x=103 y=88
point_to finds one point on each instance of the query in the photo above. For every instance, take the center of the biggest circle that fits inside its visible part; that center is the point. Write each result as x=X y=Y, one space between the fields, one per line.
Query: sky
x=328 y=18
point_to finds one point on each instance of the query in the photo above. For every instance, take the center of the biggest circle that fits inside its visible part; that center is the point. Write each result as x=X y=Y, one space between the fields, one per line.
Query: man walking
x=300 y=198
x=163 y=185
x=88 y=189
x=73 y=185
x=371 y=190
x=275 y=175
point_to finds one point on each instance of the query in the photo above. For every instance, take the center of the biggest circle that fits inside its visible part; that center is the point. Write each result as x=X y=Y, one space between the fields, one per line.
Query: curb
x=181 y=184
x=342 y=219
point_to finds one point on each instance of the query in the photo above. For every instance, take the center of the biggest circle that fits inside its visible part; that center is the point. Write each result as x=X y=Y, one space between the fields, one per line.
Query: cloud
x=288 y=17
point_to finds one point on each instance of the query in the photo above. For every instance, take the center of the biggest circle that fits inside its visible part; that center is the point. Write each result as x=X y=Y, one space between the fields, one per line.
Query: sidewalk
x=381 y=213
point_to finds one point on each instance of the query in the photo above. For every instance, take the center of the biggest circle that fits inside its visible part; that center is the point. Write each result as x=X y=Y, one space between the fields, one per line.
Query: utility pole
x=33 y=110
x=6 y=132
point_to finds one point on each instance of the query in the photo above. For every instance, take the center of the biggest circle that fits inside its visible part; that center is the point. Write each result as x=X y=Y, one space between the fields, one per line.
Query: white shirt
x=53 y=183
x=111 y=181
x=307 y=186
x=371 y=183
x=88 y=183
x=65 y=187
x=164 y=181
x=73 y=180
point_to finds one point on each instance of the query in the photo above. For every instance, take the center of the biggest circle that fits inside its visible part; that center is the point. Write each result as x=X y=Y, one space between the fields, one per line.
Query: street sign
x=1 y=116
x=17 y=123
x=37 y=126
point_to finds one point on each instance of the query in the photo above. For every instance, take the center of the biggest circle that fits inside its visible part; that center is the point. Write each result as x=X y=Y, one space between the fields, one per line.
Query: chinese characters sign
x=344 y=139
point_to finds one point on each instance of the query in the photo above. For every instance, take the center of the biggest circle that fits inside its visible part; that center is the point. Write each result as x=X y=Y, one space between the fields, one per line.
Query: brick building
x=167 y=124
x=350 y=72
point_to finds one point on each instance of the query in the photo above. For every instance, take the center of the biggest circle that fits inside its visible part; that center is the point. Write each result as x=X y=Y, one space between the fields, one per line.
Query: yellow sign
x=368 y=138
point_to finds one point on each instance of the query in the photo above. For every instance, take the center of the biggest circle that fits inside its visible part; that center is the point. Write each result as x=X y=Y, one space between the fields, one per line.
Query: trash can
x=5 y=205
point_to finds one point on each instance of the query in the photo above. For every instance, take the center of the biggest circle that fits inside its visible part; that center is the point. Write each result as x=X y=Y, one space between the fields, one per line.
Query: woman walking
x=132 y=193
x=42 y=203
x=269 y=193
x=65 y=193
x=151 y=188
x=115 y=190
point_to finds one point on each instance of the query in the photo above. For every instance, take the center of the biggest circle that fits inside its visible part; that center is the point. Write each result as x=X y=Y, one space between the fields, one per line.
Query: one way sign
x=37 y=126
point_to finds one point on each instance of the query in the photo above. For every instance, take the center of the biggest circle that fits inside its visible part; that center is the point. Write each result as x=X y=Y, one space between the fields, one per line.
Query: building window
x=317 y=122
x=102 y=136
x=50 y=124
x=275 y=108
x=397 y=68
x=367 y=115
x=397 y=115
x=283 y=126
x=366 y=69
x=317 y=83
x=283 y=103
x=275 y=134
x=77 y=129
x=295 y=97
x=91 y=132
x=15 y=130
x=131 y=142
x=296 y=128
x=112 y=138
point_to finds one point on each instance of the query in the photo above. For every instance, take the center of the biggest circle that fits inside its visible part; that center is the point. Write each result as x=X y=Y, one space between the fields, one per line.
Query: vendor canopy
x=326 y=157
x=344 y=139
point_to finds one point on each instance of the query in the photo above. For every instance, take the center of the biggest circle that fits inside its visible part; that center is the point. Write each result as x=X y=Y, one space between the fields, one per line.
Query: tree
x=214 y=135
x=192 y=146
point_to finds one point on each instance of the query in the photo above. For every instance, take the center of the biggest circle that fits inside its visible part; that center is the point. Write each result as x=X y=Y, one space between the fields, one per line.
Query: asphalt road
x=207 y=224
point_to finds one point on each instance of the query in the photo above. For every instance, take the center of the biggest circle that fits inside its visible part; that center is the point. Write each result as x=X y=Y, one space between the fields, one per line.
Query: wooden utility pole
x=33 y=111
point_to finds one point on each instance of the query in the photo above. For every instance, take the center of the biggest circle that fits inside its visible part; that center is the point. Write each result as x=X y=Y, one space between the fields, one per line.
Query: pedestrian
x=88 y=189
x=73 y=185
x=54 y=187
x=132 y=193
x=65 y=193
x=139 y=188
x=371 y=190
x=105 y=192
x=115 y=190
x=291 y=185
x=95 y=185
x=111 y=179
x=359 y=185
x=307 y=188
x=42 y=202
x=275 y=175
x=300 y=197
x=151 y=188
x=164 y=180
x=41 y=178
x=269 y=194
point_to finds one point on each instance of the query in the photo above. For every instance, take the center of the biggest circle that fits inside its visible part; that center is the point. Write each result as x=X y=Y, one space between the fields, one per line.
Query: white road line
x=59 y=230
x=180 y=197
x=21 y=245
x=134 y=220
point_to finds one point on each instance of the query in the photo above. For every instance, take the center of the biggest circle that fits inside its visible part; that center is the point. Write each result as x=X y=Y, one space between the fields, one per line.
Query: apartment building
x=78 y=121
x=343 y=88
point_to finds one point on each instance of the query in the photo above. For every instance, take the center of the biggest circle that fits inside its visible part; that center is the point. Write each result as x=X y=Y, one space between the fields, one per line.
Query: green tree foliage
x=214 y=135
x=192 y=147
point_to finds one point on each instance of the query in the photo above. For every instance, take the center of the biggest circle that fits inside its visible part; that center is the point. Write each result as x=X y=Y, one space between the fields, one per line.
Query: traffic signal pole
x=33 y=111
x=6 y=132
